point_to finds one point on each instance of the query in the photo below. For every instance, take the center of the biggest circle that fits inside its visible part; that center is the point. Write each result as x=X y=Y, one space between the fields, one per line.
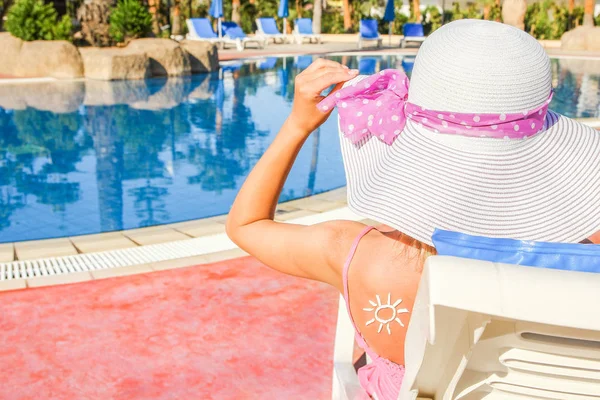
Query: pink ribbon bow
x=378 y=106
x=373 y=106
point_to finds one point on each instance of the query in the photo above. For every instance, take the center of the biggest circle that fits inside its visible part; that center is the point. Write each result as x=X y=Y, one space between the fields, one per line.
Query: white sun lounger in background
x=267 y=30
x=412 y=32
x=202 y=30
x=234 y=33
x=483 y=330
x=303 y=30
x=367 y=32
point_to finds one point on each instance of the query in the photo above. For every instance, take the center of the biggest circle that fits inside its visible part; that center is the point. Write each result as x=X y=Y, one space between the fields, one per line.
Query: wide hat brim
x=543 y=188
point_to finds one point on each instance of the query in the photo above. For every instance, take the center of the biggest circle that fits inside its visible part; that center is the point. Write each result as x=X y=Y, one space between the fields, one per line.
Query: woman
x=469 y=147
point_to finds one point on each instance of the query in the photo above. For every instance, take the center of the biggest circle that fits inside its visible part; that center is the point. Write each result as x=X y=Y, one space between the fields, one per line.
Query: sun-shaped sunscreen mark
x=378 y=307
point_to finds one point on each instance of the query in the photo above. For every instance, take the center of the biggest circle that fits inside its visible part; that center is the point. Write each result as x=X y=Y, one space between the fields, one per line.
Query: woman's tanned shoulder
x=595 y=238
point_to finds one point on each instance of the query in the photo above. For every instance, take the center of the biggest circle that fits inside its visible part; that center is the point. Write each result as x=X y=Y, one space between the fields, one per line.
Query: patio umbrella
x=389 y=16
x=219 y=100
x=216 y=11
x=283 y=12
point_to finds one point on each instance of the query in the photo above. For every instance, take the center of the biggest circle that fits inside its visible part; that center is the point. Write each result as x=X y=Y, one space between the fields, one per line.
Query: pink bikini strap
x=347 y=267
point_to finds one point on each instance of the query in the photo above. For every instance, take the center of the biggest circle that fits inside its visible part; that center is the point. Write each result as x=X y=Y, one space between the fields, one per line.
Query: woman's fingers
x=331 y=77
x=322 y=63
x=309 y=78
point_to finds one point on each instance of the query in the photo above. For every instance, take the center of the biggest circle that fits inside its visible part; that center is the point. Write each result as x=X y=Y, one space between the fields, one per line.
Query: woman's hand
x=309 y=84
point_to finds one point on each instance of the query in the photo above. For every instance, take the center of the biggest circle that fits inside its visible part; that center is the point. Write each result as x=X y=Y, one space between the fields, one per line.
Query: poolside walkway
x=331 y=44
x=231 y=330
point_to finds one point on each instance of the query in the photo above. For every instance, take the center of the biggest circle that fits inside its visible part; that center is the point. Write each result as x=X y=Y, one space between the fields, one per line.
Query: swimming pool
x=89 y=156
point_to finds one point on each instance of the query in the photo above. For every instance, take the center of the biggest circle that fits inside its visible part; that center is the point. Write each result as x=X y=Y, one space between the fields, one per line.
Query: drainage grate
x=114 y=258
x=144 y=254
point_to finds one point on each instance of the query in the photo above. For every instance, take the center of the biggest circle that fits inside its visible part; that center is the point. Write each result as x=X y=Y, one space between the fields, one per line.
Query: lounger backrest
x=232 y=30
x=407 y=64
x=201 y=28
x=268 y=26
x=269 y=63
x=499 y=331
x=367 y=65
x=413 y=30
x=368 y=29
x=304 y=26
x=303 y=62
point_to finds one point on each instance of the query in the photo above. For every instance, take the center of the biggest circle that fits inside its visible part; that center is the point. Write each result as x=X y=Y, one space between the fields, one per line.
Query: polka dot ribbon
x=377 y=106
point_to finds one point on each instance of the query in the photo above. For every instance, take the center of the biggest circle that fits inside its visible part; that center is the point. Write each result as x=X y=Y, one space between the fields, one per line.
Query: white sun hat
x=544 y=186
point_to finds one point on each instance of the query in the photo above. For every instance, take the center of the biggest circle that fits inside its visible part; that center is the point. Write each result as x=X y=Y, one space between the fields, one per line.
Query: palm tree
x=347 y=16
x=4 y=6
x=588 y=13
x=176 y=18
x=153 y=8
x=235 y=12
x=499 y=13
x=317 y=12
x=417 y=10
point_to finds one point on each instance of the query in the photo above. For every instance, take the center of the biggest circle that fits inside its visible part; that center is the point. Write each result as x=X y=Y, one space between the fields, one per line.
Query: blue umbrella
x=389 y=16
x=283 y=12
x=216 y=11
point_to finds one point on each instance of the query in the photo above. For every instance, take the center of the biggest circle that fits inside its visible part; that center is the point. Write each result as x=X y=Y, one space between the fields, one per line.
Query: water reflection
x=577 y=87
x=92 y=156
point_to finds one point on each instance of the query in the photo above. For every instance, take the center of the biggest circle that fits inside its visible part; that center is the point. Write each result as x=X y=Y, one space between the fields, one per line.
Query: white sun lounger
x=482 y=330
x=267 y=30
x=303 y=30
x=201 y=29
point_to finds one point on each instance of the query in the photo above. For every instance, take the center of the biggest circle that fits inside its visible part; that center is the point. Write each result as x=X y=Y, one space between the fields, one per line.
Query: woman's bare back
x=383 y=278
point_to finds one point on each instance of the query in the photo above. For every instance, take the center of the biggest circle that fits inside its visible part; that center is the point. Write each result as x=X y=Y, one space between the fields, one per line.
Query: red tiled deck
x=230 y=330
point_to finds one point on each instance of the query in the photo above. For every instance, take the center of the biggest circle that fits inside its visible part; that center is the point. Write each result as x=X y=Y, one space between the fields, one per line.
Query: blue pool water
x=88 y=157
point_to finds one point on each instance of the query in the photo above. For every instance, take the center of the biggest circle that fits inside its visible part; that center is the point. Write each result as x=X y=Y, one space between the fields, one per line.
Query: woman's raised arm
x=299 y=250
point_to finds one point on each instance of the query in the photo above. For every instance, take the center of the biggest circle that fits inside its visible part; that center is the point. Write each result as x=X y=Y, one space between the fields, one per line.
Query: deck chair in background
x=267 y=63
x=302 y=62
x=487 y=330
x=367 y=65
x=233 y=33
x=408 y=62
x=412 y=33
x=201 y=29
x=368 y=32
x=303 y=30
x=267 y=30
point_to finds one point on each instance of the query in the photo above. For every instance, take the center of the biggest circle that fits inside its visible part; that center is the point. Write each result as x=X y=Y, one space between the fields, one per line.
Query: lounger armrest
x=345 y=381
x=514 y=291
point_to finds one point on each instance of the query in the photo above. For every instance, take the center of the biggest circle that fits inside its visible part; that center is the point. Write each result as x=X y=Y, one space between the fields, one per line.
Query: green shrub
x=549 y=20
x=34 y=20
x=576 y=18
x=332 y=21
x=401 y=19
x=472 y=11
x=129 y=20
x=248 y=14
x=432 y=19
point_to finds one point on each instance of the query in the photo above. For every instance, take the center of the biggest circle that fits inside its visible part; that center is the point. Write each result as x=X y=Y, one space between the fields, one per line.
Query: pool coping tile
x=200 y=227
x=224 y=255
x=102 y=242
x=44 y=248
x=7 y=252
x=59 y=279
x=155 y=236
x=178 y=263
x=13 y=284
x=121 y=271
